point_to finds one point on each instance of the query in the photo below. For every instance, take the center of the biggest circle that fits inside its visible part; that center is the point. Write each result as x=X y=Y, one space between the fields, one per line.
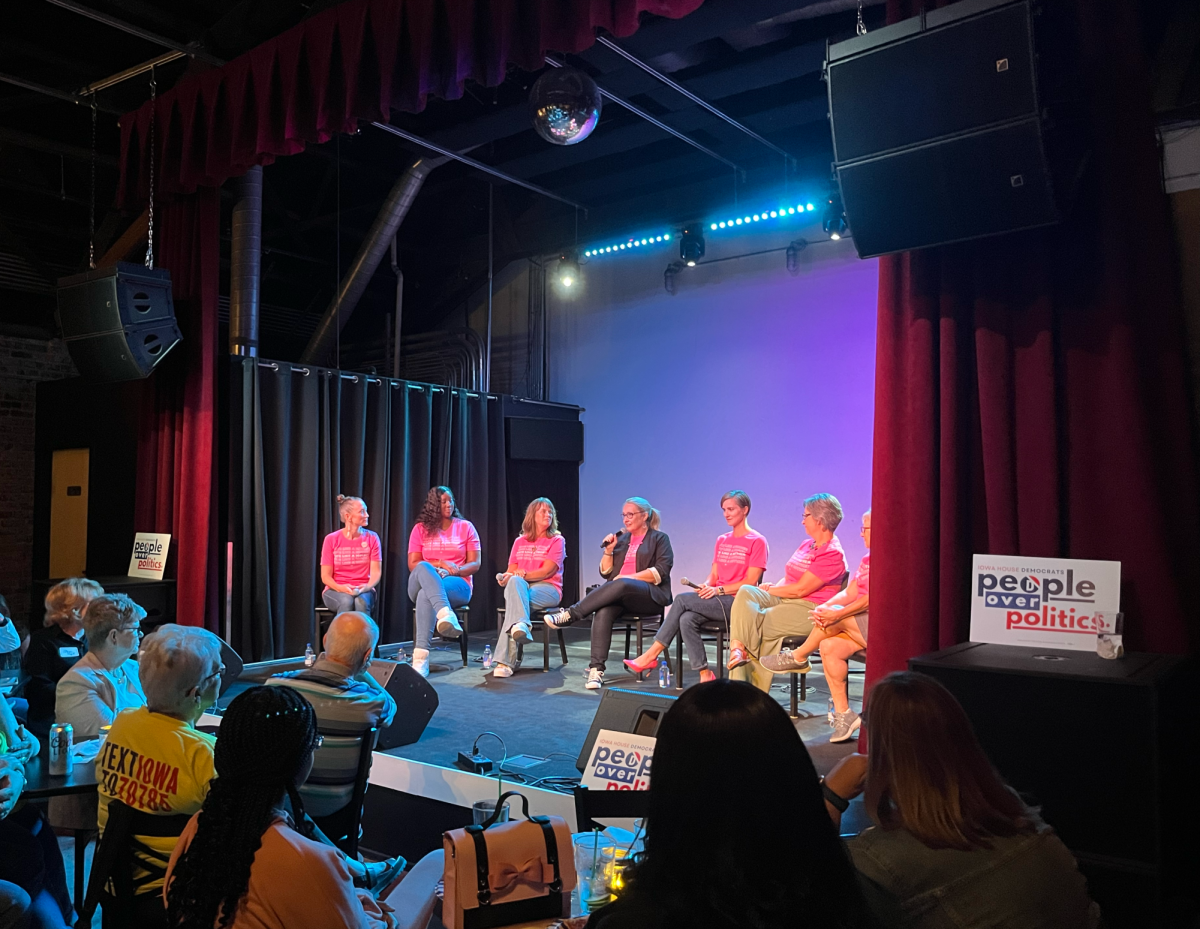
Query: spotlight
x=568 y=269
x=810 y=208
x=833 y=218
x=793 y=256
x=791 y=210
x=691 y=247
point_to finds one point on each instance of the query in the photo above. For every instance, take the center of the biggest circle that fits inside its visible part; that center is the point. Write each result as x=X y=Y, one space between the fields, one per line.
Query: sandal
x=738 y=656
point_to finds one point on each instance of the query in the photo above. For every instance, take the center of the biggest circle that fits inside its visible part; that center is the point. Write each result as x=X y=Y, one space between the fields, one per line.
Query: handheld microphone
x=616 y=538
x=688 y=583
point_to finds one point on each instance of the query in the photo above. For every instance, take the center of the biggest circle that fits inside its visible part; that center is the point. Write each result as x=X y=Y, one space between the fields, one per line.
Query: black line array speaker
x=1107 y=749
x=416 y=702
x=118 y=322
x=953 y=125
x=623 y=710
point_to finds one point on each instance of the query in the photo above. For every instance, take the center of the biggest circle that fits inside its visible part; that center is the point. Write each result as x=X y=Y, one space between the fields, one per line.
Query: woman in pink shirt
x=351 y=560
x=762 y=616
x=443 y=553
x=739 y=557
x=533 y=580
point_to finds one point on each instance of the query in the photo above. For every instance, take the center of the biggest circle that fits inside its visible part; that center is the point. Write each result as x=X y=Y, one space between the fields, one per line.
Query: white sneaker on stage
x=595 y=679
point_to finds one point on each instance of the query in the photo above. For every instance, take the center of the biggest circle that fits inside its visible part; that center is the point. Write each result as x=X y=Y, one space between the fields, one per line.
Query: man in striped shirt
x=348 y=701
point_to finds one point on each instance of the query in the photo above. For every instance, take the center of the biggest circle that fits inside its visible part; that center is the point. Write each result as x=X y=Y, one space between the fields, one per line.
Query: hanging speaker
x=118 y=322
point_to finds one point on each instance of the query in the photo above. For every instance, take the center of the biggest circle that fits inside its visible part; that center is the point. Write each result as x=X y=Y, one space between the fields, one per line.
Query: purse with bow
x=498 y=874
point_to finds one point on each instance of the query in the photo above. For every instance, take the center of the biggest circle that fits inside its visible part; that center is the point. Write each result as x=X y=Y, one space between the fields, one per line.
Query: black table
x=40 y=784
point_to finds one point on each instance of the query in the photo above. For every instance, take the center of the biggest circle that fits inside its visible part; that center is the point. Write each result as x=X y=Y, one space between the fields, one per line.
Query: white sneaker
x=521 y=632
x=447 y=624
x=501 y=670
x=595 y=679
x=420 y=661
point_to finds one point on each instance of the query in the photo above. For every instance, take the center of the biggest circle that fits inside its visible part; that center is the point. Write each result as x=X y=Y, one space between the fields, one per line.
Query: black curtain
x=302 y=435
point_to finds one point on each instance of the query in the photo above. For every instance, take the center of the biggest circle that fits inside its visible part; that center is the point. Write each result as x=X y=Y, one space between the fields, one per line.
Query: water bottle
x=310 y=657
x=487 y=656
x=829 y=717
x=664 y=674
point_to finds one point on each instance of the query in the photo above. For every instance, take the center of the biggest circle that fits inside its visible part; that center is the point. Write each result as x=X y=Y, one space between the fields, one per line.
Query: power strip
x=476 y=763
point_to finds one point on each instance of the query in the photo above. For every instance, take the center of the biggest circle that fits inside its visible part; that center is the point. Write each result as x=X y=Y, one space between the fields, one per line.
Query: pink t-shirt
x=449 y=545
x=351 y=558
x=828 y=563
x=735 y=555
x=530 y=556
x=629 y=565
x=862 y=576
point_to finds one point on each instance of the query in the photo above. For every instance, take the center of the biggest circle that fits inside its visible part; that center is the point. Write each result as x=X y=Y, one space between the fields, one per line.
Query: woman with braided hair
x=247 y=860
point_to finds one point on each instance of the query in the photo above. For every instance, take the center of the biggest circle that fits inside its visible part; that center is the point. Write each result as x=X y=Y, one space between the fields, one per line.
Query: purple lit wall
x=747 y=378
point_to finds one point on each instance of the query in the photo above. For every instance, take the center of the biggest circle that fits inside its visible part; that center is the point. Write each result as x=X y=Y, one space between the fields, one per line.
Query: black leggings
x=609 y=602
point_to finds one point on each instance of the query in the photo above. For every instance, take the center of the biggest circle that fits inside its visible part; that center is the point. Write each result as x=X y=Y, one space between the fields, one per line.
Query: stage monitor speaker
x=416 y=702
x=545 y=439
x=621 y=710
x=939 y=128
x=118 y=322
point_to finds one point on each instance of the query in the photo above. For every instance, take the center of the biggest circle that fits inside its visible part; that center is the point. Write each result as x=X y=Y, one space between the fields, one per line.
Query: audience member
x=245 y=862
x=154 y=760
x=443 y=553
x=533 y=580
x=636 y=565
x=10 y=637
x=351 y=560
x=762 y=616
x=952 y=844
x=104 y=681
x=727 y=754
x=54 y=649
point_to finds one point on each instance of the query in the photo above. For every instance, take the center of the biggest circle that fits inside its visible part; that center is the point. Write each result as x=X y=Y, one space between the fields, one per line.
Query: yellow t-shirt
x=157 y=764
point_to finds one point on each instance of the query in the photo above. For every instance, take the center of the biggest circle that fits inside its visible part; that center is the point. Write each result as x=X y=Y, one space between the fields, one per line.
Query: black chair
x=799 y=681
x=112 y=883
x=342 y=827
x=464 y=617
x=643 y=624
x=591 y=805
x=537 y=617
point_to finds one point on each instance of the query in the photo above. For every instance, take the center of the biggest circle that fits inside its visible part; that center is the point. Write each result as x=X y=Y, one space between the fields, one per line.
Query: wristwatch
x=721 y=590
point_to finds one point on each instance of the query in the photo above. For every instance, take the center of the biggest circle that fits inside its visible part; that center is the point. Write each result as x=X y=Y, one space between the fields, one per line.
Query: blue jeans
x=688 y=613
x=519 y=598
x=14 y=905
x=339 y=602
x=431 y=593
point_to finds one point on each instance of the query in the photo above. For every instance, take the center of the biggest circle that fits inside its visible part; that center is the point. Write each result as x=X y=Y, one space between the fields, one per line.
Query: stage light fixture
x=833 y=218
x=568 y=269
x=793 y=256
x=691 y=247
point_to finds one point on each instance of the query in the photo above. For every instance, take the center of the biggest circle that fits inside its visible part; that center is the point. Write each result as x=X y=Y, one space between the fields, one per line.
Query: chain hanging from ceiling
x=150 y=207
x=862 y=27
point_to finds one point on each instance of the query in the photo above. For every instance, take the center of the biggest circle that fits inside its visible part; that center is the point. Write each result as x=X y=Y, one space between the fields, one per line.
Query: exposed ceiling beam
x=49 y=146
x=64 y=95
x=192 y=49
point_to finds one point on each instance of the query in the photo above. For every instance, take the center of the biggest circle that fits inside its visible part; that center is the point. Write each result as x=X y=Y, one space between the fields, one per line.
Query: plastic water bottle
x=487 y=656
x=829 y=717
x=310 y=657
x=664 y=674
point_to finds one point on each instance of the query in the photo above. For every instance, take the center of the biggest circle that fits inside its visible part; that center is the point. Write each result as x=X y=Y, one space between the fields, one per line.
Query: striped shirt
x=346 y=707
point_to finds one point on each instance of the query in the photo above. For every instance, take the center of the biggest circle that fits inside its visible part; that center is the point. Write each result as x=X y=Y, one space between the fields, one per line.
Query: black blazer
x=655 y=552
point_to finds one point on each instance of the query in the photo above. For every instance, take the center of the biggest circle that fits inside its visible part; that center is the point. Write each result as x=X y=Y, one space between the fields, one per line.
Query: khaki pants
x=760 y=620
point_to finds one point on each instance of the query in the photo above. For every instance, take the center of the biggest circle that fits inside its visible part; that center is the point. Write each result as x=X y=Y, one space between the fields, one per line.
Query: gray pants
x=339 y=602
x=520 y=597
x=688 y=613
x=431 y=592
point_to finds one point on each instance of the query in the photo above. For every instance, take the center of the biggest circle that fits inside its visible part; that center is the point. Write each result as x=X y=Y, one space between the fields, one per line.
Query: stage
x=416 y=790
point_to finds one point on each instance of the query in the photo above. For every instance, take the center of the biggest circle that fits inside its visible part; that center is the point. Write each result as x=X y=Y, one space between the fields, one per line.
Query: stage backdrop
x=299 y=436
x=747 y=378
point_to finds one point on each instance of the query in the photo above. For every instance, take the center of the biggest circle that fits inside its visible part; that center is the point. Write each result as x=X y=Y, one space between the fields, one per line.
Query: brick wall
x=23 y=362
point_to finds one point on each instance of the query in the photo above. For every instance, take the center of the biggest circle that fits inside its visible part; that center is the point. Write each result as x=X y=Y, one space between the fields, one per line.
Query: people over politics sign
x=1041 y=602
x=619 y=761
x=149 y=554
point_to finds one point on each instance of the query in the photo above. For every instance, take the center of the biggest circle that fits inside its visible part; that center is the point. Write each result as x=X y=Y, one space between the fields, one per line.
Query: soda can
x=61 y=737
x=104 y=731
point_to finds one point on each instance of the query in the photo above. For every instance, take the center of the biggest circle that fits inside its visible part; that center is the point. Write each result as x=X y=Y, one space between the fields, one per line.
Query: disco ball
x=565 y=105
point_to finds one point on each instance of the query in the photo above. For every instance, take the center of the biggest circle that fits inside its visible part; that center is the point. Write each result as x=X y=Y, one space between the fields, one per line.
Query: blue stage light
x=791 y=209
x=810 y=208
x=774 y=214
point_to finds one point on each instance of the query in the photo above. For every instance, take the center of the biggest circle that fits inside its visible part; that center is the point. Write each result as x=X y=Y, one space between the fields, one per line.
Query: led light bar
x=749 y=219
x=645 y=241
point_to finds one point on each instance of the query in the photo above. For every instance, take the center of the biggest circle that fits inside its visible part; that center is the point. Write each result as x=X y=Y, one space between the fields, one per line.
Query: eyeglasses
x=634 y=515
x=216 y=674
x=136 y=630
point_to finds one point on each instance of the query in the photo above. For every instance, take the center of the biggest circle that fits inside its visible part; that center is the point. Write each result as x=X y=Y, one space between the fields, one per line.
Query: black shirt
x=51 y=654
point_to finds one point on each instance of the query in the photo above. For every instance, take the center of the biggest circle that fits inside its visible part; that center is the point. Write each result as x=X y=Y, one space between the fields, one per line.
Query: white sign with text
x=1047 y=602
x=619 y=761
x=149 y=554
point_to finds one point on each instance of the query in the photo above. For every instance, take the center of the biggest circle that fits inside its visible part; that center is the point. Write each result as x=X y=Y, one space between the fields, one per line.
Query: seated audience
x=739 y=558
x=636 y=565
x=443 y=553
x=763 y=615
x=726 y=753
x=533 y=580
x=351 y=560
x=347 y=701
x=245 y=862
x=10 y=636
x=54 y=649
x=952 y=844
x=839 y=631
x=154 y=760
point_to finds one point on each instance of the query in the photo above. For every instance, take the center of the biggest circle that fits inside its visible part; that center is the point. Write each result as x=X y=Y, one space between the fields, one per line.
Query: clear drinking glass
x=594 y=855
x=1110 y=629
x=482 y=810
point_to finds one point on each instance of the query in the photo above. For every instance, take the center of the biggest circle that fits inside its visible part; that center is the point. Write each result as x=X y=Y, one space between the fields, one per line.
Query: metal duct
x=370 y=253
x=245 y=271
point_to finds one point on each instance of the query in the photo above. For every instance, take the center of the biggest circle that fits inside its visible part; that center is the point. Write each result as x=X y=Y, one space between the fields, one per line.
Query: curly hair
x=267 y=735
x=431 y=511
x=75 y=593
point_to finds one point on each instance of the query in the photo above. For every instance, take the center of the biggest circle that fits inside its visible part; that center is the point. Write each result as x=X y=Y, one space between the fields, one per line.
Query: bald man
x=348 y=700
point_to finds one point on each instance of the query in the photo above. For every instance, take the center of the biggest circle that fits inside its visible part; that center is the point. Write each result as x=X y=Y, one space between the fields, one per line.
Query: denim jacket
x=1026 y=881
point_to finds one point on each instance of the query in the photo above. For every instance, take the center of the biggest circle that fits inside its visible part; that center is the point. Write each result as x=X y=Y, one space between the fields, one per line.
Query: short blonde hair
x=174 y=661
x=528 y=528
x=65 y=597
x=108 y=612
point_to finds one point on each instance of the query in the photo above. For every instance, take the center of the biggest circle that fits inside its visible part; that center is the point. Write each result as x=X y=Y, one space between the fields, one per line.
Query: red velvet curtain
x=176 y=487
x=358 y=60
x=1031 y=392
